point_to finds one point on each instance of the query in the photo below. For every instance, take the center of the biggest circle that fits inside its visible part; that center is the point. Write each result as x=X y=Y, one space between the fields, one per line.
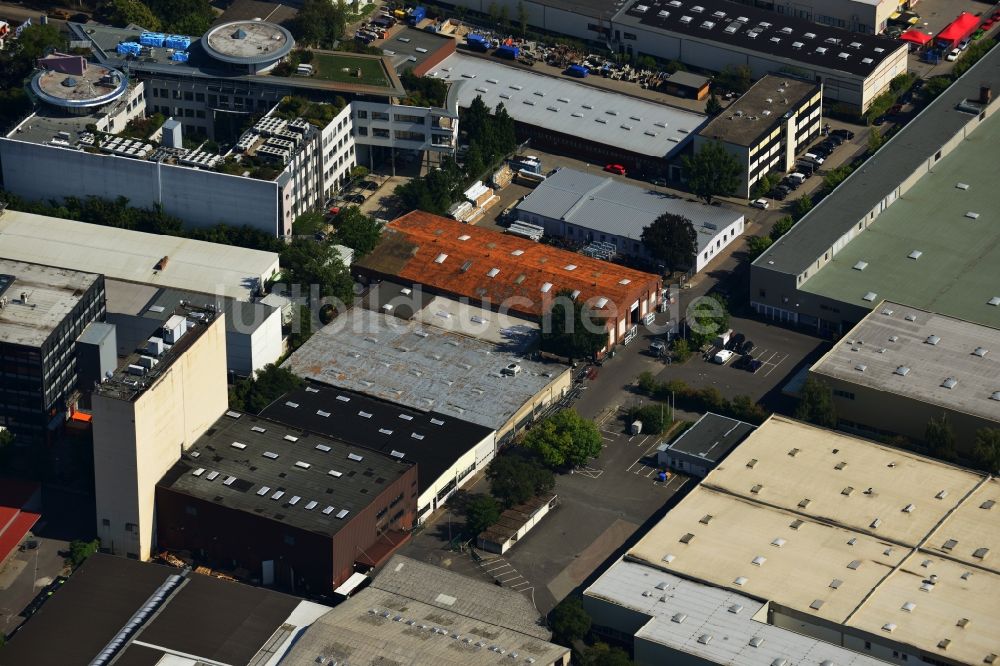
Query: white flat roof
x=562 y=105
x=192 y=265
x=500 y=328
x=710 y=610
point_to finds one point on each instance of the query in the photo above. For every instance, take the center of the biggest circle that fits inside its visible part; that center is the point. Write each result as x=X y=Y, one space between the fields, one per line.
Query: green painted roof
x=958 y=270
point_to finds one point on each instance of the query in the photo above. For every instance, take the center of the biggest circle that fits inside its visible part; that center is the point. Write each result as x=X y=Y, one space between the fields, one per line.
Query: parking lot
x=600 y=507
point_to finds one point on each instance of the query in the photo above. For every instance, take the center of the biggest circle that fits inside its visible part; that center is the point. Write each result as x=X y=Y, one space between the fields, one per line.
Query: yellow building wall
x=136 y=442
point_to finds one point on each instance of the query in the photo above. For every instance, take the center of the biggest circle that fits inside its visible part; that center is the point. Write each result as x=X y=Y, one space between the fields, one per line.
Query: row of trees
x=17 y=61
x=319 y=23
x=707 y=399
x=184 y=17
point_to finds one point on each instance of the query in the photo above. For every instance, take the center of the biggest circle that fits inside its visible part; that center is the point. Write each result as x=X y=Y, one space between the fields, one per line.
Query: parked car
x=797 y=177
x=835 y=139
x=753 y=365
x=845 y=134
x=354 y=199
x=813 y=157
x=747 y=347
x=742 y=362
x=805 y=168
x=659 y=182
x=779 y=193
x=722 y=356
x=964 y=44
x=763 y=204
x=657 y=347
x=615 y=168
x=736 y=342
x=953 y=55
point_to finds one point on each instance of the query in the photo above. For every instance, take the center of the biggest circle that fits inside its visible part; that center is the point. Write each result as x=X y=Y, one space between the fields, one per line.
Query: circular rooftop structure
x=79 y=89
x=257 y=44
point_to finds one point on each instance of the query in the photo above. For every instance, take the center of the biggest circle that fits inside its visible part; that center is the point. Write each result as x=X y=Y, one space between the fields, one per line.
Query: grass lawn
x=344 y=69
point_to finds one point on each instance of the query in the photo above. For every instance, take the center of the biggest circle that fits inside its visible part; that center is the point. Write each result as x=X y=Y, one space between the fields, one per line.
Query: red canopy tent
x=958 y=29
x=914 y=36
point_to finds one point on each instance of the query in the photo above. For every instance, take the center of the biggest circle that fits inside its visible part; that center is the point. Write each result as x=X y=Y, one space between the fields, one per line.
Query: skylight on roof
x=546 y=286
x=570 y=267
x=493 y=272
x=861 y=265
x=440 y=258
x=980 y=352
x=517 y=253
x=949 y=383
x=870 y=296
x=916 y=254
x=995 y=301
x=741 y=581
x=600 y=302
x=933 y=339
x=355 y=457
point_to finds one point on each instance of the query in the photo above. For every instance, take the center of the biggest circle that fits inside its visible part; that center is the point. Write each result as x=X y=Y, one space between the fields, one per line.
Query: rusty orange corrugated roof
x=482 y=264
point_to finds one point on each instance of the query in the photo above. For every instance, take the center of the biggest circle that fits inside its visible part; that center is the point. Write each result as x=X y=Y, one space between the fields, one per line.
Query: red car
x=615 y=168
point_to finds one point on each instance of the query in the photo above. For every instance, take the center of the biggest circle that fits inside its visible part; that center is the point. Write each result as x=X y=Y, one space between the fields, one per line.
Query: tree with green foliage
x=80 y=550
x=782 y=226
x=564 y=439
x=474 y=165
x=940 y=438
x=934 y=86
x=359 y=172
x=522 y=17
x=654 y=417
x=646 y=382
x=319 y=23
x=836 y=176
x=481 y=512
x=17 y=62
x=874 y=140
x=572 y=329
x=713 y=106
x=972 y=55
x=735 y=78
x=357 y=231
x=681 y=350
x=602 y=654
x=712 y=172
x=423 y=90
x=803 y=205
x=764 y=185
x=568 y=621
x=308 y=223
x=307 y=263
x=816 y=404
x=986 y=450
x=121 y=13
x=183 y=17
x=672 y=240
x=757 y=245
x=707 y=317
x=515 y=479
x=300 y=327
x=434 y=192
x=269 y=383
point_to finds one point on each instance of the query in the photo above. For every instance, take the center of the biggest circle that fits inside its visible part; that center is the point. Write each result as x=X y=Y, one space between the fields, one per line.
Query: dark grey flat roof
x=434 y=441
x=865 y=188
x=758 y=111
x=210 y=618
x=282 y=473
x=787 y=37
x=712 y=437
x=593 y=8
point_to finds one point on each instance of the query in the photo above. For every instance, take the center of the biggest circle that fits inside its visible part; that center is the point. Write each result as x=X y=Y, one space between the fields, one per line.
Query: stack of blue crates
x=179 y=42
x=129 y=48
x=152 y=38
x=179 y=56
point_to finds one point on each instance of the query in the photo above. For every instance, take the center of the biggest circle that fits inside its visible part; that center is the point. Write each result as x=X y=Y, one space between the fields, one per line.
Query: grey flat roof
x=421 y=367
x=853 y=199
x=52 y=293
x=759 y=110
x=592 y=8
x=247 y=42
x=794 y=39
x=712 y=437
x=559 y=104
x=710 y=610
x=610 y=206
x=204 y=618
x=957 y=269
x=282 y=488
x=889 y=341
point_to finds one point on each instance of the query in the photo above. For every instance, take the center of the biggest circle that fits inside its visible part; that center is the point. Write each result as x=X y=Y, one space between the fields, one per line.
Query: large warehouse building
x=912 y=225
x=289 y=507
x=813 y=547
x=428 y=369
x=586 y=208
x=767 y=127
x=446 y=450
x=507 y=273
x=572 y=118
x=901 y=366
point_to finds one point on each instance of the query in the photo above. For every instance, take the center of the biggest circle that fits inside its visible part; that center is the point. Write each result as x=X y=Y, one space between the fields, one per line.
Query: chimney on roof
x=985 y=94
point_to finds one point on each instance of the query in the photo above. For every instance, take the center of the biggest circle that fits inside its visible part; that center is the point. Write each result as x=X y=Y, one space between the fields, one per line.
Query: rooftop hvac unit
x=136 y=370
x=154 y=346
x=511 y=370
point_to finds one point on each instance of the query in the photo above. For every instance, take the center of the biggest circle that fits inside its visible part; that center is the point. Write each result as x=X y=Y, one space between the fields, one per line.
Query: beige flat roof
x=975 y=524
x=897 y=479
x=132 y=256
x=936 y=614
x=796 y=574
x=500 y=328
x=715 y=534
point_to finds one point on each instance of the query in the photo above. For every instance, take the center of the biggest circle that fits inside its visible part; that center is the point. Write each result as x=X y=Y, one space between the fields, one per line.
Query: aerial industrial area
x=594 y=333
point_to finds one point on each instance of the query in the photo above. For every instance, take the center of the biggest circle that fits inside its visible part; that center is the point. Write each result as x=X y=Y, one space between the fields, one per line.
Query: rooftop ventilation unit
x=902 y=371
x=949 y=383
x=870 y=296
x=861 y=265
x=756 y=641
x=933 y=339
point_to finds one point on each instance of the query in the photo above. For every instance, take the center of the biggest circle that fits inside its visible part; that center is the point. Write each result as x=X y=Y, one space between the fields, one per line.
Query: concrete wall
x=248 y=352
x=136 y=442
x=874 y=413
x=199 y=198
x=459 y=473
x=722 y=239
